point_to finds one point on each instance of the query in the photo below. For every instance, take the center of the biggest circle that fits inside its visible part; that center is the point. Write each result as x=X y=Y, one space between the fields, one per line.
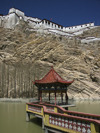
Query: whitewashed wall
x=1 y=20
x=11 y=20
x=18 y=12
x=32 y=24
x=32 y=19
x=79 y=27
x=14 y=15
x=12 y=10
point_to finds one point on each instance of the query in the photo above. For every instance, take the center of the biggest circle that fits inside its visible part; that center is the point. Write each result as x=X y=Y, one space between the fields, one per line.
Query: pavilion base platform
x=64 y=106
x=61 y=104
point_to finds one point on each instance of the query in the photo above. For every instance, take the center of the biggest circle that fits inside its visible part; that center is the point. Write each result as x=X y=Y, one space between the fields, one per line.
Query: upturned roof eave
x=52 y=82
x=52 y=77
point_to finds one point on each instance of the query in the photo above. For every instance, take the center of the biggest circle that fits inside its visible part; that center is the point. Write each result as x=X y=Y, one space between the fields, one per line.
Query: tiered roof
x=52 y=77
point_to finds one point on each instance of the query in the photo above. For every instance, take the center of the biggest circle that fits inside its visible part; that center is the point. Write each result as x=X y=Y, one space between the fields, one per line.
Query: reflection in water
x=13 y=117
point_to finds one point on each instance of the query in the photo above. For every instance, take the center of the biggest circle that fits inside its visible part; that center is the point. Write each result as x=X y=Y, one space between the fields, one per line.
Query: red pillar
x=40 y=96
x=55 y=97
x=66 y=98
x=61 y=97
x=49 y=96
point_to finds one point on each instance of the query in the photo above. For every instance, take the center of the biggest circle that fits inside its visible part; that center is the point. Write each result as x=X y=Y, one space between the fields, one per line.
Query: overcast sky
x=64 y=12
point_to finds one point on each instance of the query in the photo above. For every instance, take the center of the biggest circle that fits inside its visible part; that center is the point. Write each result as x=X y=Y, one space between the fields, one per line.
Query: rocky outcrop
x=26 y=55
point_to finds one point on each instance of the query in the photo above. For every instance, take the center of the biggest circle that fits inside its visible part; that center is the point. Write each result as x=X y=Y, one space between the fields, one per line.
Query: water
x=13 y=117
x=87 y=107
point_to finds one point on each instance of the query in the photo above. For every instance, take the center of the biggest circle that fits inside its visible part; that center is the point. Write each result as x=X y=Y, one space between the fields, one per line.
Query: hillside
x=27 y=55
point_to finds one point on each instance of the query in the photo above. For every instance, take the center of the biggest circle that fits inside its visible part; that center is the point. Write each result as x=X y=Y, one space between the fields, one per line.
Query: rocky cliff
x=27 y=55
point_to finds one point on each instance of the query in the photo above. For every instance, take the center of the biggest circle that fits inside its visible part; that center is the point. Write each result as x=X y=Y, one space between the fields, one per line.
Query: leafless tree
x=7 y=79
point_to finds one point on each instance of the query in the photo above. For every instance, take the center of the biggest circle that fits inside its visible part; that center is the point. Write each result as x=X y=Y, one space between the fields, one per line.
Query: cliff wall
x=27 y=55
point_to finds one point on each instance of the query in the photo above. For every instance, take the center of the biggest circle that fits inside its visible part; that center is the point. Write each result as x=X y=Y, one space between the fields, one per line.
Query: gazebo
x=52 y=82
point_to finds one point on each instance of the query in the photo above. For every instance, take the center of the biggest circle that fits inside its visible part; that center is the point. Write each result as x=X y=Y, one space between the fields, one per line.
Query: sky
x=64 y=12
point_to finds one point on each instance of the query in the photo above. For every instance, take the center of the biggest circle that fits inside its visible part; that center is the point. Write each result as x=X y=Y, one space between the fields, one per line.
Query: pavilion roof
x=52 y=77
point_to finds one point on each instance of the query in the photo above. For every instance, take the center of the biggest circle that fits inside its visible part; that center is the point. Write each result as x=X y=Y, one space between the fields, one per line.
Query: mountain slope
x=30 y=55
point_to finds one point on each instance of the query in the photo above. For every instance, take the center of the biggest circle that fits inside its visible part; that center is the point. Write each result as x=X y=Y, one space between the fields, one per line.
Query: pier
x=58 y=120
x=54 y=117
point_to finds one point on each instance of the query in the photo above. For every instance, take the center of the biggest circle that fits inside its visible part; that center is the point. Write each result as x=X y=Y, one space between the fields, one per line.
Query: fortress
x=41 y=26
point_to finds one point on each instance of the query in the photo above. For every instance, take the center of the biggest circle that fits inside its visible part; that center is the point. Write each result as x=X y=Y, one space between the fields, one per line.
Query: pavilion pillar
x=55 y=97
x=61 y=97
x=40 y=96
x=66 y=97
x=49 y=96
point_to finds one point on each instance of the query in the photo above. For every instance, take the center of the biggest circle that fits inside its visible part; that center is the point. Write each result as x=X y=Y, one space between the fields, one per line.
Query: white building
x=43 y=26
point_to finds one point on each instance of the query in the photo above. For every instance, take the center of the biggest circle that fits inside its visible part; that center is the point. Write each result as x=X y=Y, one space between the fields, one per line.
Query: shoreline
x=34 y=99
x=15 y=99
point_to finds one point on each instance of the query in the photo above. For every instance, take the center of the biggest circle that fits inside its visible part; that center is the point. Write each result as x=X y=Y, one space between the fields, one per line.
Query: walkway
x=58 y=120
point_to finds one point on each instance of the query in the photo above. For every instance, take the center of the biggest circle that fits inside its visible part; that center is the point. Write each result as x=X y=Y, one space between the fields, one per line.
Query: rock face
x=26 y=55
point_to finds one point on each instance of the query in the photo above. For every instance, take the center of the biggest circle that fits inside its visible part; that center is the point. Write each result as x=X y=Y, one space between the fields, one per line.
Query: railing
x=58 y=118
x=71 y=124
x=34 y=108
x=84 y=115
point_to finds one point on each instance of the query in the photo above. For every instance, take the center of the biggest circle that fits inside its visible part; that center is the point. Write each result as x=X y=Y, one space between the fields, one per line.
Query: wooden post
x=66 y=96
x=61 y=97
x=55 y=97
x=42 y=123
x=46 y=130
x=95 y=128
x=40 y=96
x=27 y=116
x=49 y=96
